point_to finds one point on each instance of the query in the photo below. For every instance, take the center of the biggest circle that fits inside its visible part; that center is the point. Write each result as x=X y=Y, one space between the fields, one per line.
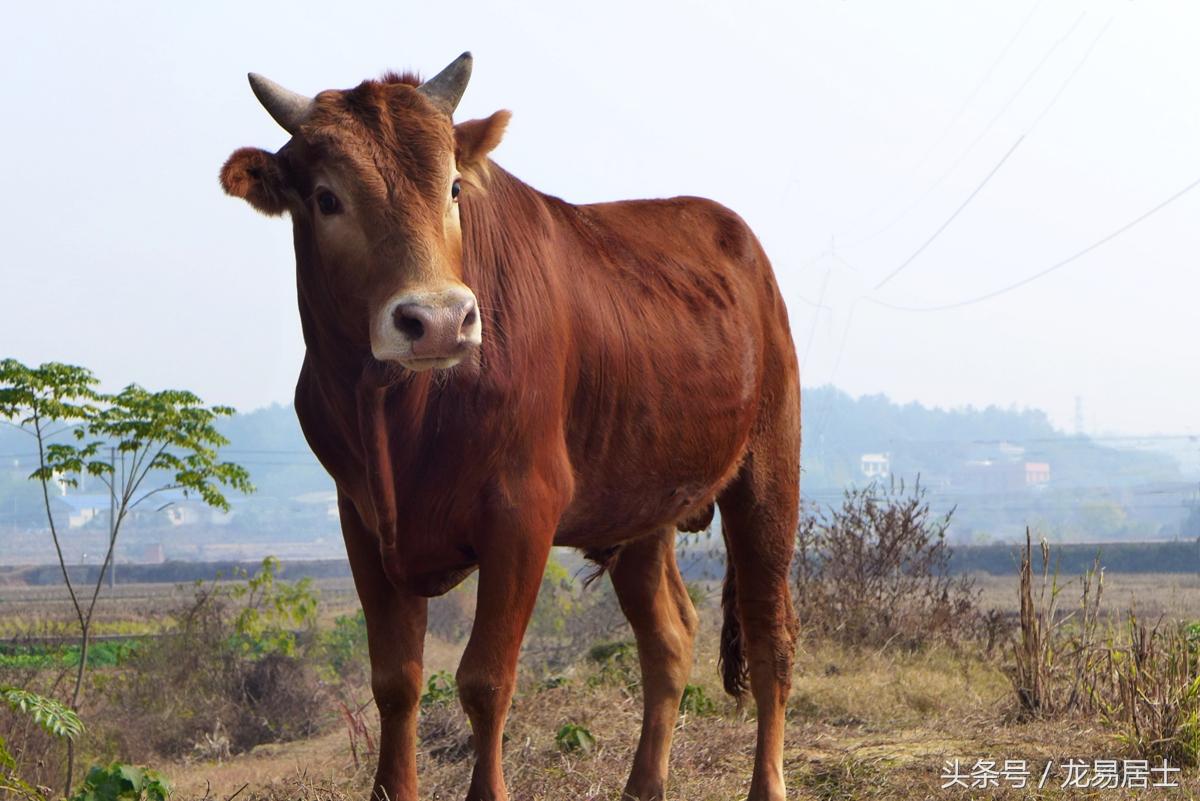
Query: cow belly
x=645 y=480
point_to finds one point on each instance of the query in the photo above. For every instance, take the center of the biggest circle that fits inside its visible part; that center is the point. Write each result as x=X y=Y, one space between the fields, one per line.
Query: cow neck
x=349 y=394
x=371 y=402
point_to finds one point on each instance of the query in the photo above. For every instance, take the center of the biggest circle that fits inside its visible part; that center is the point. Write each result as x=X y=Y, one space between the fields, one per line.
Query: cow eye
x=455 y=189
x=328 y=203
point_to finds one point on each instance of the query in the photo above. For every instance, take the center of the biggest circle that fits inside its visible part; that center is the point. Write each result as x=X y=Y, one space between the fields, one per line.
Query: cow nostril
x=409 y=325
x=469 y=320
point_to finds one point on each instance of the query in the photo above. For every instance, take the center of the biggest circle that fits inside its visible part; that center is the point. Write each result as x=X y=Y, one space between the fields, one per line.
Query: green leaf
x=51 y=716
x=573 y=737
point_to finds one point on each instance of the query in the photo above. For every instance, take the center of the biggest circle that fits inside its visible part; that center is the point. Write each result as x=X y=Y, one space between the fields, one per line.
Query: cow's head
x=372 y=178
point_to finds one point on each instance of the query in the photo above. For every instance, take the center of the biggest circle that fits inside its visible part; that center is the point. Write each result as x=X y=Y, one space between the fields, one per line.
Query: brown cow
x=491 y=371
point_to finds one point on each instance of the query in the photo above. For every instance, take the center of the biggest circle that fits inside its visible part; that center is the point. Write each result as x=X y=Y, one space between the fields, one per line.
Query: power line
x=975 y=142
x=1052 y=268
x=1063 y=88
x=966 y=103
x=1053 y=101
x=951 y=218
x=812 y=333
x=823 y=420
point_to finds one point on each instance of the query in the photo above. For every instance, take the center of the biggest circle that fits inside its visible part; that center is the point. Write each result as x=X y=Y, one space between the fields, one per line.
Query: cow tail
x=732 y=662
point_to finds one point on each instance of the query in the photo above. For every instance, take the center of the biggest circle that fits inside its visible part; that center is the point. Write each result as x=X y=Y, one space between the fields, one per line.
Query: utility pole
x=112 y=514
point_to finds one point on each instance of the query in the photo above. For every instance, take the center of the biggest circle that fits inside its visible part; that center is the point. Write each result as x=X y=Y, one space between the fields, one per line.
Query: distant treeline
x=172 y=572
x=999 y=560
x=1182 y=556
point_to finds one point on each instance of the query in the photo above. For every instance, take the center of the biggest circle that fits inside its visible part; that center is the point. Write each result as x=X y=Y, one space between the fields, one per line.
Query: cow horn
x=446 y=88
x=285 y=106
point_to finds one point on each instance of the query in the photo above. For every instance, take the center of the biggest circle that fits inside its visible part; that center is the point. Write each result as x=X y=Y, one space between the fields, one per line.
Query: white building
x=875 y=465
x=80 y=509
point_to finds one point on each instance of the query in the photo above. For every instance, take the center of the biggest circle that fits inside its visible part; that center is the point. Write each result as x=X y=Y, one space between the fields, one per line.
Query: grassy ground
x=862 y=725
x=865 y=724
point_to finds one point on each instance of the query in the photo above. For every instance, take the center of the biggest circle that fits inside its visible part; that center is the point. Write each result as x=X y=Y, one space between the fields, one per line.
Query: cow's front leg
x=510 y=573
x=396 y=641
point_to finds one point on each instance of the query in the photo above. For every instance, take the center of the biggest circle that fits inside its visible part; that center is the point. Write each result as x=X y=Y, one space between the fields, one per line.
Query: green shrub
x=554 y=681
x=345 y=645
x=119 y=782
x=695 y=701
x=272 y=610
x=236 y=680
x=617 y=663
x=557 y=602
x=573 y=737
x=697 y=593
x=440 y=690
x=571 y=614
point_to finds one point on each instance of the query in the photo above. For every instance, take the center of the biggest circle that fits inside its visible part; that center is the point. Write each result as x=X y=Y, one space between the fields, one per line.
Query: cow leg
x=396 y=641
x=510 y=574
x=655 y=600
x=758 y=515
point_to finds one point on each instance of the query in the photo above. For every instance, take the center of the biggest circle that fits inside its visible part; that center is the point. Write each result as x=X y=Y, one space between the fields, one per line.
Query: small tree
x=156 y=441
x=876 y=569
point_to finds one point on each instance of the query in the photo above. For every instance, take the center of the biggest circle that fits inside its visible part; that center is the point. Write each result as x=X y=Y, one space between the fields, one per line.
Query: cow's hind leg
x=656 y=602
x=758 y=516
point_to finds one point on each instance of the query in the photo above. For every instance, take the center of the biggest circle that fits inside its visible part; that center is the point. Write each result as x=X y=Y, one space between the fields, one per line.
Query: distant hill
x=935 y=442
x=1001 y=468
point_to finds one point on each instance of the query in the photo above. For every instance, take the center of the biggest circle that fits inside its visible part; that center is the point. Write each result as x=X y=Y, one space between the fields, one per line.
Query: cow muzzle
x=428 y=330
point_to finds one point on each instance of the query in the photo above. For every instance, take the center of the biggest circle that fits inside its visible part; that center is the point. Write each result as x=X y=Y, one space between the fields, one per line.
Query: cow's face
x=372 y=178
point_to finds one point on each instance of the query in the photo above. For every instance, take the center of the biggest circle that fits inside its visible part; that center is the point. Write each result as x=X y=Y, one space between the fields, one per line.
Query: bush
x=118 y=782
x=570 y=616
x=617 y=665
x=440 y=690
x=345 y=646
x=876 y=570
x=236 y=679
x=695 y=701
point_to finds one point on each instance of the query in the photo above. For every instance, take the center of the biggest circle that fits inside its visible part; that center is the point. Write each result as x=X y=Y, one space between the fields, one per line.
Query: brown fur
x=254 y=175
x=636 y=367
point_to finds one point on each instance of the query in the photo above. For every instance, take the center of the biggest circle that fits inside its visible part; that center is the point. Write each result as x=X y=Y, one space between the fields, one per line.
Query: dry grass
x=1154 y=595
x=1056 y=652
x=873 y=723
x=862 y=725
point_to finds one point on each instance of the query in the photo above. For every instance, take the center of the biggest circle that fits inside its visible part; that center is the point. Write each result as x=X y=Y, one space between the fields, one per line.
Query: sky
x=916 y=155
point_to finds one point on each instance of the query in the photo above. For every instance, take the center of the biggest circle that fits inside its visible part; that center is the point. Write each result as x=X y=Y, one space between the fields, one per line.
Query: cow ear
x=254 y=175
x=474 y=139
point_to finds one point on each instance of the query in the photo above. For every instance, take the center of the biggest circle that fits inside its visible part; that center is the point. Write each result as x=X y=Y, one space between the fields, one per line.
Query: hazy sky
x=846 y=133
